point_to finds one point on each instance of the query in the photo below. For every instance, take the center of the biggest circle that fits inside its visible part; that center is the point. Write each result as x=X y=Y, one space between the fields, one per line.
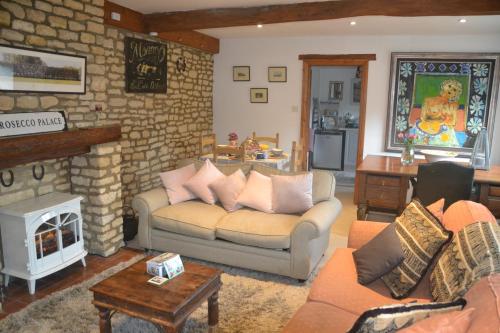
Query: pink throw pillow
x=174 y=181
x=228 y=188
x=292 y=194
x=451 y=322
x=436 y=209
x=198 y=184
x=258 y=193
x=465 y=212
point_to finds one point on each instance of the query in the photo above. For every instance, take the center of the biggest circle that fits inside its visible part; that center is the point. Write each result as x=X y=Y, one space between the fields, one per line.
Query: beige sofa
x=289 y=245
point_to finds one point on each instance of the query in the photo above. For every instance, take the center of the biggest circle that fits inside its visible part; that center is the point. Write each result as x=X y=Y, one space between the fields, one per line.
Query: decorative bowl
x=276 y=152
x=438 y=155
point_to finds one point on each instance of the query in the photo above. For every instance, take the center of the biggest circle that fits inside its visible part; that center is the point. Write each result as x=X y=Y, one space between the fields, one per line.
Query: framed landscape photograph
x=444 y=99
x=258 y=95
x=28 y=70
x=276 y=74
x=241 y=73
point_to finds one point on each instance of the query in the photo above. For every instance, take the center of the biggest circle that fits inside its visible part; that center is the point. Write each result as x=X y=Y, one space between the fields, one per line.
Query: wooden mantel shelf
x=38 y=147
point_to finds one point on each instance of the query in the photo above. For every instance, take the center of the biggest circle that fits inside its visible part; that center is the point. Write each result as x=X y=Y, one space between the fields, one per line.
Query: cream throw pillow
x=292 y=194
x=258 y=193
x=198 y=184
x=173 y=182
x=228 y=188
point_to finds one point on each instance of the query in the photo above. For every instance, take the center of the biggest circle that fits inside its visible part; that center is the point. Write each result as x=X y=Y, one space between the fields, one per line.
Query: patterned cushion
x=473 y=253
x=422 y=237
x=391 y=318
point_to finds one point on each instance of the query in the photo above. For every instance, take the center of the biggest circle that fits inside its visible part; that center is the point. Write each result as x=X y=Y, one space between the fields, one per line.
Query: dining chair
x=207 y=145
x=443 y=179
x=296 y=157
x=238 y=153
x=271 y=139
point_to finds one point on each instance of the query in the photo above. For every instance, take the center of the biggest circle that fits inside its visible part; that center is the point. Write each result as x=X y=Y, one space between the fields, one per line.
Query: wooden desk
x=383 y=185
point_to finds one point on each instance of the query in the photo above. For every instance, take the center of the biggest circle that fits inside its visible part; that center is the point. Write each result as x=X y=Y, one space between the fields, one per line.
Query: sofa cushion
x=257 y=193
x=190 y=218
x=473 y=253
x=422 y=236
x=318 y=318
x=254 y=228
x=337 y=284
x=392 y=318
x=226 y=169
x=174 y=181
x=323 y=181
x=484 y=297
x=465 y=212
x=292 y=194
x=198 y=184
x=378 y=256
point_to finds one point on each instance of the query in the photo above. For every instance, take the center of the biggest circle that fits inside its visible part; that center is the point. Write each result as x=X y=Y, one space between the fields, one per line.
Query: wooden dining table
x=278 y=162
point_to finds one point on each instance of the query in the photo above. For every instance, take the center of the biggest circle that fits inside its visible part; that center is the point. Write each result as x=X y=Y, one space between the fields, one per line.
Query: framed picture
x=336 y=91
x=276 y=74
x=29 y=70
x=241 y=73
x=355 y=91
x=258 y=95
x=145 y=66
x=444 y=99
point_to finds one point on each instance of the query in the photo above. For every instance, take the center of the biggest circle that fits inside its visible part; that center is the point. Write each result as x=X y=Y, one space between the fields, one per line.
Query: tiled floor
x=17 y=296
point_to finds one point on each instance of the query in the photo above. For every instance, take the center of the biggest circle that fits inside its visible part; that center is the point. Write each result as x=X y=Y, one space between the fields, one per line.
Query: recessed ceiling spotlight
x=153 y=33
x=352 y=23
x=462 y=20
x=259 y=25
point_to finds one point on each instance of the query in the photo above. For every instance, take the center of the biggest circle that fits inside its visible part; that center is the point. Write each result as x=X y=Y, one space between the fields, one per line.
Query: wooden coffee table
x=167 y=306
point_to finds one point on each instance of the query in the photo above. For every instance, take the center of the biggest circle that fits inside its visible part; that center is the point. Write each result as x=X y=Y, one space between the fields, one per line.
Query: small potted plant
x=233 y=139
x=408 y=139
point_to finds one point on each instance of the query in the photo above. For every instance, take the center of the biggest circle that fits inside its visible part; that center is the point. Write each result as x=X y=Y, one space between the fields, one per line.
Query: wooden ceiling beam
x=134 y=21
x=312 y=11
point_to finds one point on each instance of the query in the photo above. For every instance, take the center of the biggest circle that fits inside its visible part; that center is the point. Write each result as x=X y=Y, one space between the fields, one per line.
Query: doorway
x=307 y=130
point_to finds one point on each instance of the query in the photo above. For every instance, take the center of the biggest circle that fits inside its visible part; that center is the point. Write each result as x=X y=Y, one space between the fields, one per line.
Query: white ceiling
x=154 y=6
x=367 y=25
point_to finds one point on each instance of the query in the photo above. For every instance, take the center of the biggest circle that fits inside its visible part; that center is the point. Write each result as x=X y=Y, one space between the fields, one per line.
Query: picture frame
x=241 y=73
x=31 y=70
x=145 y=72
x=276 y=74
x=336 y=91
x=258 y=95
x=443 y=99
x=355 y=91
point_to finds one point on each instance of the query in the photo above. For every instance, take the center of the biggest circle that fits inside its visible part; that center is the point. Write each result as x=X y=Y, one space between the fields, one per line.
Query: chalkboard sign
x=145 y=66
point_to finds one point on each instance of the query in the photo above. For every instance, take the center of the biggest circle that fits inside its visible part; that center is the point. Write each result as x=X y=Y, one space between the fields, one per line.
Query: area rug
x=249 y=301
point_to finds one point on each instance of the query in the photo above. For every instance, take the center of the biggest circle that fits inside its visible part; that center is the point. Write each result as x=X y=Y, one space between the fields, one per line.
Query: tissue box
x=166 y=265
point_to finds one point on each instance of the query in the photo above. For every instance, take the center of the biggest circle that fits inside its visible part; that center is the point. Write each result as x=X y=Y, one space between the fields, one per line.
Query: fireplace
x=41 y=236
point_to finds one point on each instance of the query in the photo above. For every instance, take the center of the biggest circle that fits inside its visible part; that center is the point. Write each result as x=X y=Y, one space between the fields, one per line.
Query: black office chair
x=443 y=179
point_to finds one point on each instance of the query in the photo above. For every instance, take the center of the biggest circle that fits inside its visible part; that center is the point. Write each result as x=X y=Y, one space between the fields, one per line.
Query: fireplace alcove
x=38 y=241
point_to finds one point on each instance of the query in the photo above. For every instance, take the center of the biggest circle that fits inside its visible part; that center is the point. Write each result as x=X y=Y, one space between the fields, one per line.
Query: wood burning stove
x=41 y=236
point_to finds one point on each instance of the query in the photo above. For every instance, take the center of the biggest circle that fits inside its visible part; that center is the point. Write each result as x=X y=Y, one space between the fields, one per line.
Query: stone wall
x=157 y=129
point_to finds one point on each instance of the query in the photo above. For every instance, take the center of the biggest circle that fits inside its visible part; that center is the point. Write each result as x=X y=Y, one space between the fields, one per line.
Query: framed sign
x=444 y=99
x=145 y=66
x=258 y=95
x=241 y=73
x=13 y=124
x=28 y=70
x=276 y=74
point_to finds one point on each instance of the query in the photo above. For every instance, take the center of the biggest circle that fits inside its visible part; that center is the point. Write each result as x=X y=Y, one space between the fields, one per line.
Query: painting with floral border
x=443 y=99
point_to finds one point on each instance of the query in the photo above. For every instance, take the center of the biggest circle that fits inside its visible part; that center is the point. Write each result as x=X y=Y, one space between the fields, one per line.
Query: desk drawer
x=382 y=196
x=494 y=191
x=383 y=180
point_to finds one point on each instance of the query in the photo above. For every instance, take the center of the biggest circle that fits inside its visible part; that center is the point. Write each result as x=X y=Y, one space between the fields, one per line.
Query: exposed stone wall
x=157 y=129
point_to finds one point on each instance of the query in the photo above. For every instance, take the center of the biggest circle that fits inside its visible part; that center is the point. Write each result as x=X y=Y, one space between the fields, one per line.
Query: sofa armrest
x=362 y=232
x=320 y=217
x=145 y=204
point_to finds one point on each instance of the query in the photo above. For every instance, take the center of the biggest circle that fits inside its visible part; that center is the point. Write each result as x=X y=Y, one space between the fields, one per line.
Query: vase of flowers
x=233 y=139
x=408 y=153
